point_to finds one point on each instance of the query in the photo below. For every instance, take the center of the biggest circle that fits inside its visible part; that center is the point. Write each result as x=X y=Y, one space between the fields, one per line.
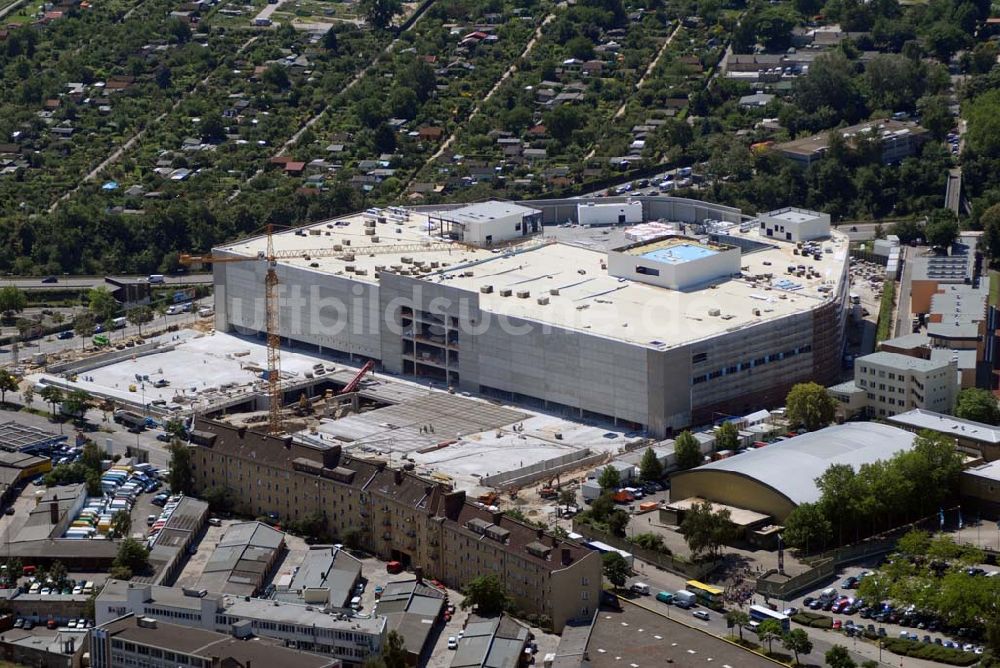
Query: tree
x=567 y=498
x=727 y=436
x=978 y=405
x=687 y=451
x=12 y=300
x=102 y=304
x=706 y=530
x=180 y=468
x=330 y=40
x=220 y=499
x=8 y=383
x=276 y=76
x=132 y=555
x=28 y=394
x=563 y=121
x=213 y=131
x=617 y=521
x=52 y=395
x=379 y=13
x=394 y=651
x=798 y=642
x=650 y=467
x=907 y=230
x=651 y=541
x=76 y=403
x=610 y=478
x=838 y=657
x=990 y=222
x=58 y=573
x=616 y=569
x=738 y=619
x=121 y=524
x=83 y=326
x=811 y=405
x=941 y=229
x=487 y=594
x=769 y=631
x=139 y=316
x=807 y=527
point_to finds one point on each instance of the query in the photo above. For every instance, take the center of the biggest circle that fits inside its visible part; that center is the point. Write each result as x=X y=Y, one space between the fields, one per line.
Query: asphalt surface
x=83 y=282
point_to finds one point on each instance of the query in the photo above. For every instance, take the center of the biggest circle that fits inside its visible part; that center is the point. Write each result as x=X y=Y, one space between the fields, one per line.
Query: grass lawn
x=994 y=287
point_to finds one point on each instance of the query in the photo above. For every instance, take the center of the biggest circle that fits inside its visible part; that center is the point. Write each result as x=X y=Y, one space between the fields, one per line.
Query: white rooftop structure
x=947 y=424
x=793 y=224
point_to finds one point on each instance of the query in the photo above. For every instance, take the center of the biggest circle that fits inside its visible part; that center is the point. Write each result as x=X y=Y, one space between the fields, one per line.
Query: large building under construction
x=694 y=313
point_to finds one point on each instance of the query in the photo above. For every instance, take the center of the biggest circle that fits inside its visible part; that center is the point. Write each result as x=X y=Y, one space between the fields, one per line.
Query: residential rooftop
x=900 y=361
x=990 y=471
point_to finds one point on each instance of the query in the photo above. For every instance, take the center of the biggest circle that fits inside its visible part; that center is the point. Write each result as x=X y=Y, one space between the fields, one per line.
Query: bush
x=813 y=620
x=920 y=650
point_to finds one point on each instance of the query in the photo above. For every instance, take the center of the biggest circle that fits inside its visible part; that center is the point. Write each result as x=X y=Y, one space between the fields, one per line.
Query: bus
x=759 y=613
x=706 y=593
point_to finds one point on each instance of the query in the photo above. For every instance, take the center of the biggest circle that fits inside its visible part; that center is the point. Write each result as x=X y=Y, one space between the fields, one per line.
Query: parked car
x=452 y=642
x=65 y=334
x=701 y=614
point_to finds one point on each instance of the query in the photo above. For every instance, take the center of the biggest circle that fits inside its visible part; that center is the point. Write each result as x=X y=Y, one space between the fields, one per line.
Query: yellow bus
x=706 y=593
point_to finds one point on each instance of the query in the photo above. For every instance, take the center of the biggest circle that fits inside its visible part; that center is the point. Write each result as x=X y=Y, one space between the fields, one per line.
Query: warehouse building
x=977 y=438
x=773 y=480
x=242 y=559
x=598 y=331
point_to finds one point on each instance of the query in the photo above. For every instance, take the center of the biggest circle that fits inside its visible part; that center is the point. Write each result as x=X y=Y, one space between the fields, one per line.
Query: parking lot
x=894 y=625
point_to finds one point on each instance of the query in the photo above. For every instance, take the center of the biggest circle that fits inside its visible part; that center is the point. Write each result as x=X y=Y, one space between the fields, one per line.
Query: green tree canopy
x=180 y=469
x=807 y=527
x=650 y=467
x=705 y=530
x=811 y=405
x=610 y=478
x=838 y=657
x=978 y=405
x=8 y=383
x=941 y=229
x=12 y=300
x=687 y=451
x=616 y=569
x=727 y=436
x=487 y=594
x=737 y=619
x=769 y=631
x=379 y=13
x=798 y=642
x=132 y=555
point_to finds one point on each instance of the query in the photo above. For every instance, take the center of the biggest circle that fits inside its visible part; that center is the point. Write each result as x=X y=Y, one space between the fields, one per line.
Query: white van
x=156 y=278
x=206 y=311
x=641 y=588
x=118 y=323
x=356 y=603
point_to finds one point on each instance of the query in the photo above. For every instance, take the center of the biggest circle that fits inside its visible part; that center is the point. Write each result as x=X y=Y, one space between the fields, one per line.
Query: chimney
x=566 y=558
x=540 y=533
x=331 y=457
x=453 y=502
x=497 y=516
x=54 y=512
x=287 y=442
x=554 y=541
x=418 y=573
x=397 y=476
x=242 y=431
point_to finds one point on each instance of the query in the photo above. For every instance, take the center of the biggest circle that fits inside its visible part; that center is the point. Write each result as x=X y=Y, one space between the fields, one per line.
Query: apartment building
x=339 y=636
x=145 y=642
x=889 y=383
x=399 y=516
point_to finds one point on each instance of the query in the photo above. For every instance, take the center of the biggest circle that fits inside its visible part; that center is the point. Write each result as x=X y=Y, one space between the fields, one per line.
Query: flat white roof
x=483 y=211
x=924 y=419
x=793 y=215
x=588 y=297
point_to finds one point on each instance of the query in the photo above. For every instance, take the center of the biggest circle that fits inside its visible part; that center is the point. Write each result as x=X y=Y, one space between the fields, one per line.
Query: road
x=268 y=10
x=51 y=345
x=87 y=282
x=904 y=319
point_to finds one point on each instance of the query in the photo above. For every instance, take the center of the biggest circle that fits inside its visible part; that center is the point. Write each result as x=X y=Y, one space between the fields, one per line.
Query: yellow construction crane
x=274 y=422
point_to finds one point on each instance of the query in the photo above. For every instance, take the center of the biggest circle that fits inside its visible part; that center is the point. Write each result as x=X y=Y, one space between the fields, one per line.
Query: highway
x=85 y=282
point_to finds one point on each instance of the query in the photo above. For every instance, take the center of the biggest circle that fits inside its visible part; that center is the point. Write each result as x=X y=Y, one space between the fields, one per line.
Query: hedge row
x=930 y=652
x=813 y=619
